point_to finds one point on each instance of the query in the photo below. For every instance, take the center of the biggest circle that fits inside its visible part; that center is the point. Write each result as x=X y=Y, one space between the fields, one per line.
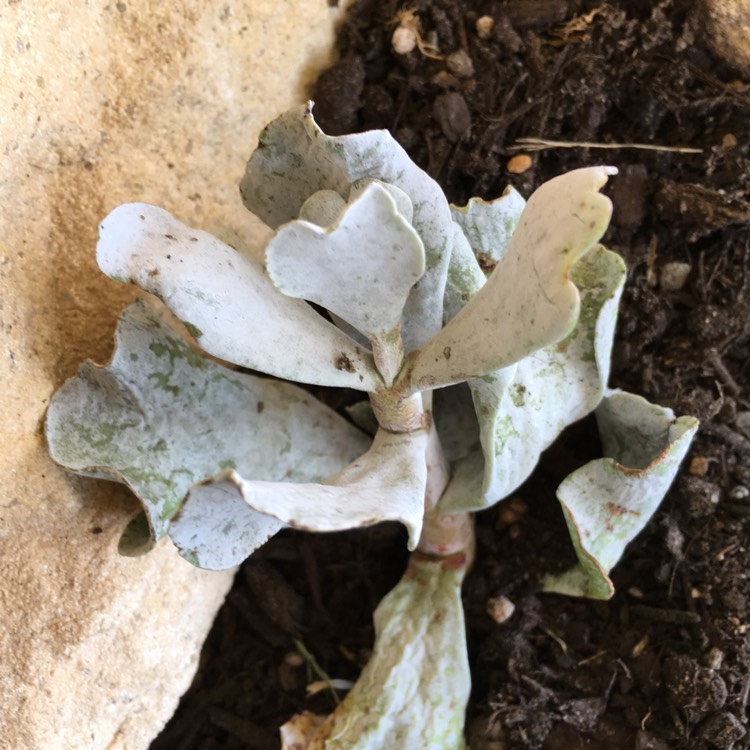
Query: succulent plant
x=478 y=333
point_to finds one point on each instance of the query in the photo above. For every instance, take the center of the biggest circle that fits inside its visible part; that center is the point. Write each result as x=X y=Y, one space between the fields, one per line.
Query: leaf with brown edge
x=608 y=501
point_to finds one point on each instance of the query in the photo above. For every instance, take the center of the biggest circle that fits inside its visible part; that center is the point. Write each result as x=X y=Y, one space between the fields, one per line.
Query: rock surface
x=726 y=24
x=101 y=104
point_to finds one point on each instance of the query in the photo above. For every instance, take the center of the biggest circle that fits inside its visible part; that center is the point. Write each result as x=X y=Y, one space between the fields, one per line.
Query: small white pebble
x=740 y=492
x=500 y=608
x=403 y=40
x=485 y=25
x=674 y=276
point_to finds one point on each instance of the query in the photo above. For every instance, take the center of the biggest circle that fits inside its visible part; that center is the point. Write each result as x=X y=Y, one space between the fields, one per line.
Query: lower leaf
x=608 y=501
x=412 y=694
x=160 y=417
x=217 y=525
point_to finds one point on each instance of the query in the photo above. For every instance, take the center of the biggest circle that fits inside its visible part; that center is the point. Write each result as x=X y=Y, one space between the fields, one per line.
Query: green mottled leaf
x=529 y=301
x=295 y=159
x=160 y=418
x=489 y=225
x=608 y=501
x=414 y=690
x=523 y=408
x=227 y=301
x=484 y=230
x=385 y=484
x=465 y=276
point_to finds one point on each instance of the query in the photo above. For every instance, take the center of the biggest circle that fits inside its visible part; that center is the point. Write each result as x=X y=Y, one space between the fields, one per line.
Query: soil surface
x=665 y=664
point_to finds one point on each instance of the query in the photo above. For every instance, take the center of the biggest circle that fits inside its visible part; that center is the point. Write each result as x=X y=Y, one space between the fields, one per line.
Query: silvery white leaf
x=160 y=417
x=361 y=269
x=227 y=302
x=413 y=692
x=523 y=408
x=465 y=276
x=401 y=199
x=323 y=208
x=385 y=484
x=529 y=301
x=295 y=159
x=489 y=225
x=608 y=501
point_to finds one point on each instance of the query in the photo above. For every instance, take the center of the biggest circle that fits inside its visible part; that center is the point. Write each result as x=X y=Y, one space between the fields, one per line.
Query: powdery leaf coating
x=361 y=269
x=523 y=408
x=295 y=159
x=608 y=501
x=529 y=301
x=483 y=232
x=489 y=225
x=414 y=690
x=159 y=418
x=226 y=300
x=465 y=276
x=385 y=484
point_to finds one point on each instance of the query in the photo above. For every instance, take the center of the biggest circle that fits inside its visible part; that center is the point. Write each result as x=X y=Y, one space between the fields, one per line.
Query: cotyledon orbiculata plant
x=479 y=333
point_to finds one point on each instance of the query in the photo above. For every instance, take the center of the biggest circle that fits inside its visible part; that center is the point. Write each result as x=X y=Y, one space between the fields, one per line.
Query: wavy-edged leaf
x=465 y=276
x=403 y=202
x=323 y=208
x=361 y=269
x=529 y=301
x=608 y=501
x=483 y=233
x=227 y=302
x=295 y=159
x=159 y=417
x=523 y=408
x=385 y=484
x=414 y=690
x=489 y=225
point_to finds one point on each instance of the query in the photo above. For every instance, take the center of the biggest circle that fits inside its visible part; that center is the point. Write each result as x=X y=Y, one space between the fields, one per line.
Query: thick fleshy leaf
x=608 y=501
x=529 y=301
x=483 y=233
x=456 y=422
x=523 y=408
x=227 y=302
x=489 y=225
x=160 y=417
x=414 y=690
x=465 y=276
x=403 y=202
x=323 y=208
x=361 y=268
x=295 y=159
x=385 y=484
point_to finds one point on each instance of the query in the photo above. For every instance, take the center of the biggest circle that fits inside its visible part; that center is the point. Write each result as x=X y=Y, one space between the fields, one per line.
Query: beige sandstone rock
x=102 y=103
x=726 y=24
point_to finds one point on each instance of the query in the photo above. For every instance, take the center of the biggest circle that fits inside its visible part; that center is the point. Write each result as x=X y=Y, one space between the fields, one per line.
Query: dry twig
x=539 y=144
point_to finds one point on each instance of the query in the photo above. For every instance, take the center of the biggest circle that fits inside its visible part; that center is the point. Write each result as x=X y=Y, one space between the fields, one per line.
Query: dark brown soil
x=665 y=664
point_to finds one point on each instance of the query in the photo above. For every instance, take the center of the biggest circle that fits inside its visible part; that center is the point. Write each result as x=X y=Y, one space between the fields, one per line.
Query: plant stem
x=442 y=535
x=448 y=536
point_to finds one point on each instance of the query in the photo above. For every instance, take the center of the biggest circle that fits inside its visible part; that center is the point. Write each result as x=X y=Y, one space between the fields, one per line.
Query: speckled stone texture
x=727 y=27
x=100 y=104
